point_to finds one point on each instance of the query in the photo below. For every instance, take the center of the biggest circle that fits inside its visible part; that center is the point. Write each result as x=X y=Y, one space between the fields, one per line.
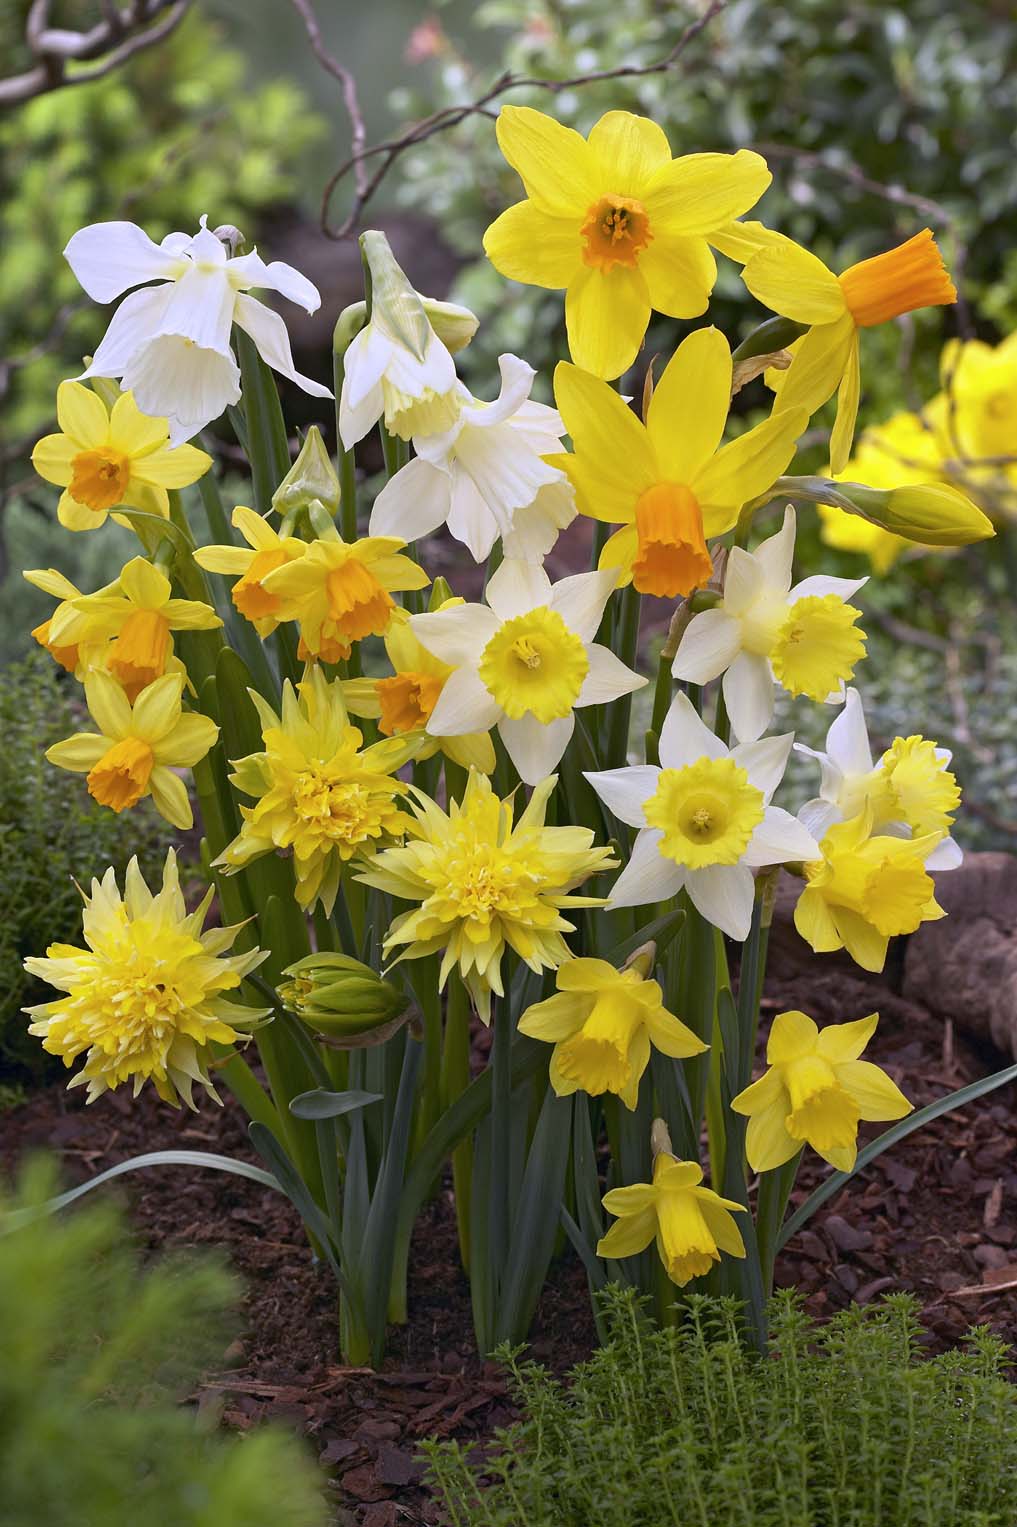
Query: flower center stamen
x=672 y=557
x=616 y=230
x=407 y=700
x=534 y=664
x=99 y=479
x=706 y=811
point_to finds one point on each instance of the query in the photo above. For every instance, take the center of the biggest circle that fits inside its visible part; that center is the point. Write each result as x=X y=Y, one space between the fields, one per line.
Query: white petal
x=534 y=748
x=269 y=333
x=607 y=677
x=625 y=791
x=435 y=373
x=175 y=380
x=581 y=600
x=945 y=856
x=133 y=324
x=464 y=705
x=535 y=527
x=201 y=308
x=458 y=635
x=470 y=519
x=413 y=503
x=685 y=737
x=748 y=695
x=648 y=876
x=818 y=816
x=108 y=258
x=819 y=585
x=709 y=644
x=516 y=381
x=780 y=838
x=364 y=366
x=847 y=741
x=775 y=555
x=765 y=761
x=250 y=270
x=516 y=587
x=724 y=894
x=506 y=477
x=355 y=420
x=744 y=581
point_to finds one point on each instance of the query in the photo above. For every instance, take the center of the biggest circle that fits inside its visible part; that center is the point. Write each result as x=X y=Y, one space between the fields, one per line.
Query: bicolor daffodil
x=483 y=882
x=524 y=661
x=170 y=344
x=815 y=1092
x=691 y=1224
x=910 y=790
x=826 y=360
x=764 y=632
x=268 y=550
x=103 y=457
x=618 y=223
x=603 y=1023
x=704 y=819
x=485 y=476
x=669 y=482
x=137 y=748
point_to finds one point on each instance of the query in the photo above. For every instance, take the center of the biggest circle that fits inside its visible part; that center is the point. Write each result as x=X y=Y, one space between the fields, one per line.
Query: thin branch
x=111 y=42
x=305 y=11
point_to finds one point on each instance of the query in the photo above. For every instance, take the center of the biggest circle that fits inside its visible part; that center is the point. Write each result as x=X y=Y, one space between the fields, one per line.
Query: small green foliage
x=51 y=832
x=95 y=1358
x=844 y=1425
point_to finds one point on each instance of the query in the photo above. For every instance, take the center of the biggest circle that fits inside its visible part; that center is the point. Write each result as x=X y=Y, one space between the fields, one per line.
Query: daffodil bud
x=455 y=326
x=340 y=997
x=642 y=960
x=933 y=514
x=312 y=476
x=440 y=592
x=348 y=325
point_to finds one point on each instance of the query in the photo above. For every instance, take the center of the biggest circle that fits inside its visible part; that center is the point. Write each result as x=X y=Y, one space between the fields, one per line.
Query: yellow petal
x=606 y=313
x=79 y=753
x=52 y=457
x=739 y=241
x=630 y=1235
x=612 y=447
x=187 y=741
x=795 y=283
x=144 y=585
x=791 y=1035
x=767 y=1142
x=157 y=708
x=528 y=244
x=133 y=432
x=815 y=923
x=843 y=434
x=630 y=151
x=172 y=466
x=690 y=404
x=620 y=551
x=82 y=415
x=877 y=1096
x=554 y=163
x=190 y=615
x=746 y=467
x=232 y=560
x=169 y=794
x=75 y=516
x=587 y=975
x=839 y=1042
x=672 y=1037
x=722 y=1225
x=820 y=359
x=701 y=192
x=764 y=1093
x=556 y=1018
x=864 y=943
x=680 y=274
x=108 y=705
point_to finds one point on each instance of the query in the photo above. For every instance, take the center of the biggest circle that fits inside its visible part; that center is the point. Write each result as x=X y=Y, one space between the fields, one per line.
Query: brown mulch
x=937 y=1216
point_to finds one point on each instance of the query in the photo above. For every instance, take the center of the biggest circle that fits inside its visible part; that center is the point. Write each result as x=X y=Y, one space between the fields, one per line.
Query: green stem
x=346 y=462
x=455 y=1078
x=267 y=443
x=499 y=1217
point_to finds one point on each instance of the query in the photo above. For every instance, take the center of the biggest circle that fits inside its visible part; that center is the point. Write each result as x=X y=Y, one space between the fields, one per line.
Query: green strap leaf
x=319 y=1104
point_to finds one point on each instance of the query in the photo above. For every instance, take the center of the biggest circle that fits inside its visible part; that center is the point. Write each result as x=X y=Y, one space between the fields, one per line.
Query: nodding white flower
x=486 y=475
x=765 y=632
x=170 y=344
x=909 y=792
x=705 y=820
x=523 y=661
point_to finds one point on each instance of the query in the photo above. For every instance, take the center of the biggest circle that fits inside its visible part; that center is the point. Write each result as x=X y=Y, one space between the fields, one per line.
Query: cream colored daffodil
x=691 y=1224
x=268 y=550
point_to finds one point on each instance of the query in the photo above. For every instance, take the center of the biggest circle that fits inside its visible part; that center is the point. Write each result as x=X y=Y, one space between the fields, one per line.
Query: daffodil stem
x=501 y=1135
x=345 y=459
x=267 y=443
x=625 y=644
x=663 y=691
x=455 y=1078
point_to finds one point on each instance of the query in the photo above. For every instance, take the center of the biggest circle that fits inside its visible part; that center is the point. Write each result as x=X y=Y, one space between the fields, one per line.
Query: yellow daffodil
x=144 y=1001
x=666 y=482
x=692 y=1224
x=342 y=591
x=137 y=615
x=865 y=890
x=484 y=882
x=907 y=451
x=137 y=747
x=618 y=223
x=983 y=388
x=318 y=791
x=75 y=657
x=268 y=550
x=104 y=457
x=795 y=283
x=403 y=702
x=815 y=1092
x=602 y=1023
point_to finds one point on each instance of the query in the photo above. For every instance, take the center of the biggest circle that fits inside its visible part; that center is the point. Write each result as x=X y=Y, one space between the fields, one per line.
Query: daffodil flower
x=705 y=820
x=692 y=1225
x=603 y=1023
x=764 y=632
x=910 y=791
x=137 y=747
x=795 y=283
x=618 y=223
x=484 y=882
x=524 y=661
x=144 y=1001
x=170 y=344
x=74 y=657
x=669 y=482
x=815 y=1092
x=137 y=615
x=104 y=457
x=485 y=476
x=983 y=390
x=268 y=550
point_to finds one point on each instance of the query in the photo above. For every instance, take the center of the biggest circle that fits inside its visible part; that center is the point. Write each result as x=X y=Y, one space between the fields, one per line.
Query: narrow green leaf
x=535 y=1224
x=320 y=1104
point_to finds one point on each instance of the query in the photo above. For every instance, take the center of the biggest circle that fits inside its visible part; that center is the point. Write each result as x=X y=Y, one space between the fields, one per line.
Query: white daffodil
x=765 y=632
x=485 y=476
x=705 y=820
x=910 y=791
x=170 y=344
x=523 y=661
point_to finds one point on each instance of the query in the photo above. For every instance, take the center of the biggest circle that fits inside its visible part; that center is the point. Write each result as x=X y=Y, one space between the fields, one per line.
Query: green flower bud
x=339 y=997
x=312 y=476
x=440 y=591
x=348 y=325
x=454 y=325
x=933 y=514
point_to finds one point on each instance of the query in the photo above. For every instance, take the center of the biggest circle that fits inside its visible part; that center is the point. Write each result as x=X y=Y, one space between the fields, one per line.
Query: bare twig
x=111 y=42
x=305 y=11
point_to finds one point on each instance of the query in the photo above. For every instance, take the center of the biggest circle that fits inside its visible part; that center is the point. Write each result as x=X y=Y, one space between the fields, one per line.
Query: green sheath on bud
x=933 y=514
x=312 y=476
x=340 y=997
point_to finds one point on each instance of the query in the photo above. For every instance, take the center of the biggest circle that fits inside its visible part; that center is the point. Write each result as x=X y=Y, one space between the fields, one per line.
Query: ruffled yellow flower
x=865 y=890
x=483 y=883
x=618 y=223
x=102 y=458
x=796 y=284
x=136 y=616
x=907 y=451
x=144 y=1001
x=602 y=1023
x=318 y=791
x=137 y=747
x=666 y=482
x=404 y=701
x=268 y=551
x=342 y=591
x=692 y=1224
x=918 y=788
x=815 y=1092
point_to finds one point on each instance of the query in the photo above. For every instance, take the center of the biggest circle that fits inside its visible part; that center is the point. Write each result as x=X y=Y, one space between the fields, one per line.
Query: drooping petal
x=628 y=1236
x=878 y=1098
x=709 y=644
x=685 y=737
x=648 y=876
x=724 y=894
x=780 y=838
x=132 y=326
x=464 y=705
x=528 y=244
x=607 y=677
x=680 y=274
x=251 y=270
x=842 y=436
x=625 y=791
x=767 y=1142
x=169 y=795
x=554 y=163
x=516 y=587
x=413 y=503
x=517 y=377
x=606 y=314
x=748 y=695
x=108 y=258
x=698 y=193
x=795 y=283
x=690 y=404
x=189 y=387
x=820 y=359
x=581 y=600
x=534 y=748
x=270 y=335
